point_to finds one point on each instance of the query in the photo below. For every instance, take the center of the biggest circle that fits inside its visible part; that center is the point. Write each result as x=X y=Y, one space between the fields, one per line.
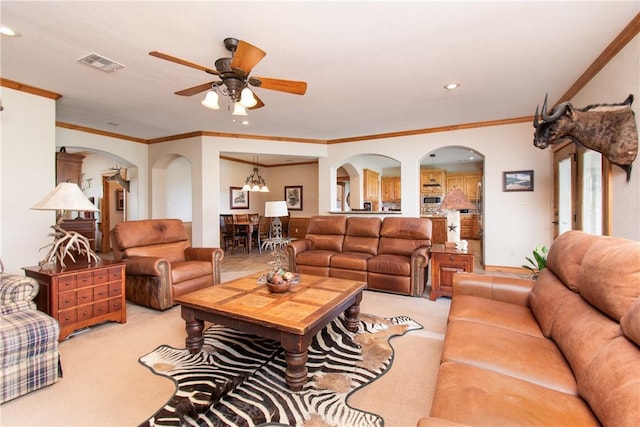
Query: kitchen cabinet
x=467 y=183
x=472 y=186
x=370 y=184
x=391 y=188
x=438 y=229
x=432 y=176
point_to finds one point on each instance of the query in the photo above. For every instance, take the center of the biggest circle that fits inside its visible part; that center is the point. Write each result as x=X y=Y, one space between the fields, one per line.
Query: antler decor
x=64 y=244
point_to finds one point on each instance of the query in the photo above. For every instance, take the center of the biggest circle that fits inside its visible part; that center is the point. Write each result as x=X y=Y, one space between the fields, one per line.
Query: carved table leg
x=296 y=373
x=194 y=327
x=351 y=315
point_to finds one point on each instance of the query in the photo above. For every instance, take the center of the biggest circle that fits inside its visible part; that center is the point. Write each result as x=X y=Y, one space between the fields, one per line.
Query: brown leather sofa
x=160 y=262
x=391 y=255
x=558 y=351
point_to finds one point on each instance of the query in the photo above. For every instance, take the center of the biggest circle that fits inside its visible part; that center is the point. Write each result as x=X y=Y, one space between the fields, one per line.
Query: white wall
x=27 y=174
x=514 y=222
x=619 y=78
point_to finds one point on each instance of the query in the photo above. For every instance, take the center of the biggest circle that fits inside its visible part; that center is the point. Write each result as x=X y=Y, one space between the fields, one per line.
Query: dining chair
x=241 y=217
x=264 y=228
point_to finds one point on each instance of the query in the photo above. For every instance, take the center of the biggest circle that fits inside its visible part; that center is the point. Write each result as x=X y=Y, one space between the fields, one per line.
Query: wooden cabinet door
x=455 y=182
x=371 y=179
x=471 y=187
x=388 y=193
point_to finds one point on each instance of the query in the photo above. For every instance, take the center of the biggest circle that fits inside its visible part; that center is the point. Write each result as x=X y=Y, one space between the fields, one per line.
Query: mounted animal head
x=607 y=128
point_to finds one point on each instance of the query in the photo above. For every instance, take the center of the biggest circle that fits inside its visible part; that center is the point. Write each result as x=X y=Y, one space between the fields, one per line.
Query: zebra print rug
x=238 y=378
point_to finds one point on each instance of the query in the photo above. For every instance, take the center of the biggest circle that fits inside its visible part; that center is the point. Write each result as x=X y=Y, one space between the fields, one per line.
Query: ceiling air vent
x=100 y=62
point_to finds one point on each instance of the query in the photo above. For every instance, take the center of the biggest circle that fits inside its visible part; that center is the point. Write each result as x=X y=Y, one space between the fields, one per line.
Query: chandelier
x=255 y=182
x=230 y=88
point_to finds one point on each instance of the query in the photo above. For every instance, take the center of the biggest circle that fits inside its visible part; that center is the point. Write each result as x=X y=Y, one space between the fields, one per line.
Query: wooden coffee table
x=293 y=317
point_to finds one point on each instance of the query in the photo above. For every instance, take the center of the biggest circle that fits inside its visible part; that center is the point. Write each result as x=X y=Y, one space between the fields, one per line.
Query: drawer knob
x=451 y=257
x=67 y=300
x=101 y=309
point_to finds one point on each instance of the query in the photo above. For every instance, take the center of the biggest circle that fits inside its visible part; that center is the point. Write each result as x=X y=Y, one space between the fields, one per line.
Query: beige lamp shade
x=455 y=199
x=276 y=209
x=67 y=196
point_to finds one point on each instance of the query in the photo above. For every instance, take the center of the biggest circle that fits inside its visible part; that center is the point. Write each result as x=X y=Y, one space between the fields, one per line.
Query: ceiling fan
x=234 y=75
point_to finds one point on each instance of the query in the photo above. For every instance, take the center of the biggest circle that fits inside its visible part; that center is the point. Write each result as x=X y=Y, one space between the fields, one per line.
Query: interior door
x=564 y=216
x=581 y=191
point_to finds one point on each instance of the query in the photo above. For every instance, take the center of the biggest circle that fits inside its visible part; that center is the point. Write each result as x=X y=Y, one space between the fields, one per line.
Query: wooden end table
x=293 y=317
x=444 y=263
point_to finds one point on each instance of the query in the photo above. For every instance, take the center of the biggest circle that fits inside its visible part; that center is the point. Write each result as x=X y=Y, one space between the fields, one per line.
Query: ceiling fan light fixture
x=211 y=100
x=238 y=109
x=247 y=99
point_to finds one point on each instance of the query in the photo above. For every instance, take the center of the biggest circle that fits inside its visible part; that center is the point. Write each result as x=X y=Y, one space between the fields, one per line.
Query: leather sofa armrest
x=419 y=262
x=213 y=255
x=147 y=266
x=509 y=288
x=294 y=248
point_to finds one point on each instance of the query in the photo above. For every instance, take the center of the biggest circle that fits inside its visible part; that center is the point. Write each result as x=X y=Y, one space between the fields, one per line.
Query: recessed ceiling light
x=9 y=31
x=452 y=86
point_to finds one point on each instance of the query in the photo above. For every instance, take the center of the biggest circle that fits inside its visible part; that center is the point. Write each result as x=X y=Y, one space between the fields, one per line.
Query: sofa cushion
x=173 y=252
x=533 y=359
x=319 y=258
x=148 y=232
x=362 y=235
x=326 y=232
x=612 y=291
x=547 y=297
x=630 y=323
x=495 y=313
x=397 y=265
x=566 y=254
x=611 y=384
x=581 y=332
x=402 y=236
x=350 y=260
x=480 y=397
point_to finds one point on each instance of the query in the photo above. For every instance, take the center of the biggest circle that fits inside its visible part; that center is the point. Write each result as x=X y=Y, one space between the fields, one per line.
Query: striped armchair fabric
x=28 y=339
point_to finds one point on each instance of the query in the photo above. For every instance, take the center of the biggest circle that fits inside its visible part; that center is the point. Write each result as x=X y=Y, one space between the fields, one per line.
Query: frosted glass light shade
x=238 y=110
x=211 y=100
x=247 y=99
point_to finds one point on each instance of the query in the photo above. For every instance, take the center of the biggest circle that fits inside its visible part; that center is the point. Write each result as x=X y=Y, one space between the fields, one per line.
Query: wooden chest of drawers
x=81 y=295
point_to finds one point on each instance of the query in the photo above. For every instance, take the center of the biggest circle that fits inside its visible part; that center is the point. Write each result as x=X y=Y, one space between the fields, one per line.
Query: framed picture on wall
x=238 y=199
x=293 y=197
x=517 y=181
x=119 y=200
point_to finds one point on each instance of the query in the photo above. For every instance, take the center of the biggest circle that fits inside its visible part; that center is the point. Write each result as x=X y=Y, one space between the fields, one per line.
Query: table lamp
x=452 y=203
x=67 y=196
x=276 y=210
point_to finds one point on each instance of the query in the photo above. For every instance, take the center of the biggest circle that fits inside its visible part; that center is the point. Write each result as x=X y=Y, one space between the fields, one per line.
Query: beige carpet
x=105 y=385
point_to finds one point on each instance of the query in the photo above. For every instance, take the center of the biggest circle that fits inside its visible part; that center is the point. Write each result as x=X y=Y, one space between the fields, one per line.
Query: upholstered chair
x=28 y=339
x=160 y=264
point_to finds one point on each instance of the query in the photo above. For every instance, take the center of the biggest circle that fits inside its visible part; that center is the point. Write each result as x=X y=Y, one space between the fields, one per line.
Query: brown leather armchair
x=160 y=264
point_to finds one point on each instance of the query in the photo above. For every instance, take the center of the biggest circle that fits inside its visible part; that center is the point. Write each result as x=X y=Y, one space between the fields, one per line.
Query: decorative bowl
x=279 y=287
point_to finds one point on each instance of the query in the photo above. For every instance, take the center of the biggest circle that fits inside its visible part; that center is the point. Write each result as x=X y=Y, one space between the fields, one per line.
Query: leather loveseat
x=160 y=262
x=561 y=350
x=391 y=255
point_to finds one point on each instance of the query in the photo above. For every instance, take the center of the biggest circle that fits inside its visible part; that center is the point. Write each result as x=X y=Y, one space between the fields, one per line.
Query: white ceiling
x=372 y=67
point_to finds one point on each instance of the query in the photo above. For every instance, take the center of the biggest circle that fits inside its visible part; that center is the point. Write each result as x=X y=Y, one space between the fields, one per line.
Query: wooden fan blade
x=180 y=61
x=194 y=90
x=260 y=104
x=289 y=86
x=246 y=57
